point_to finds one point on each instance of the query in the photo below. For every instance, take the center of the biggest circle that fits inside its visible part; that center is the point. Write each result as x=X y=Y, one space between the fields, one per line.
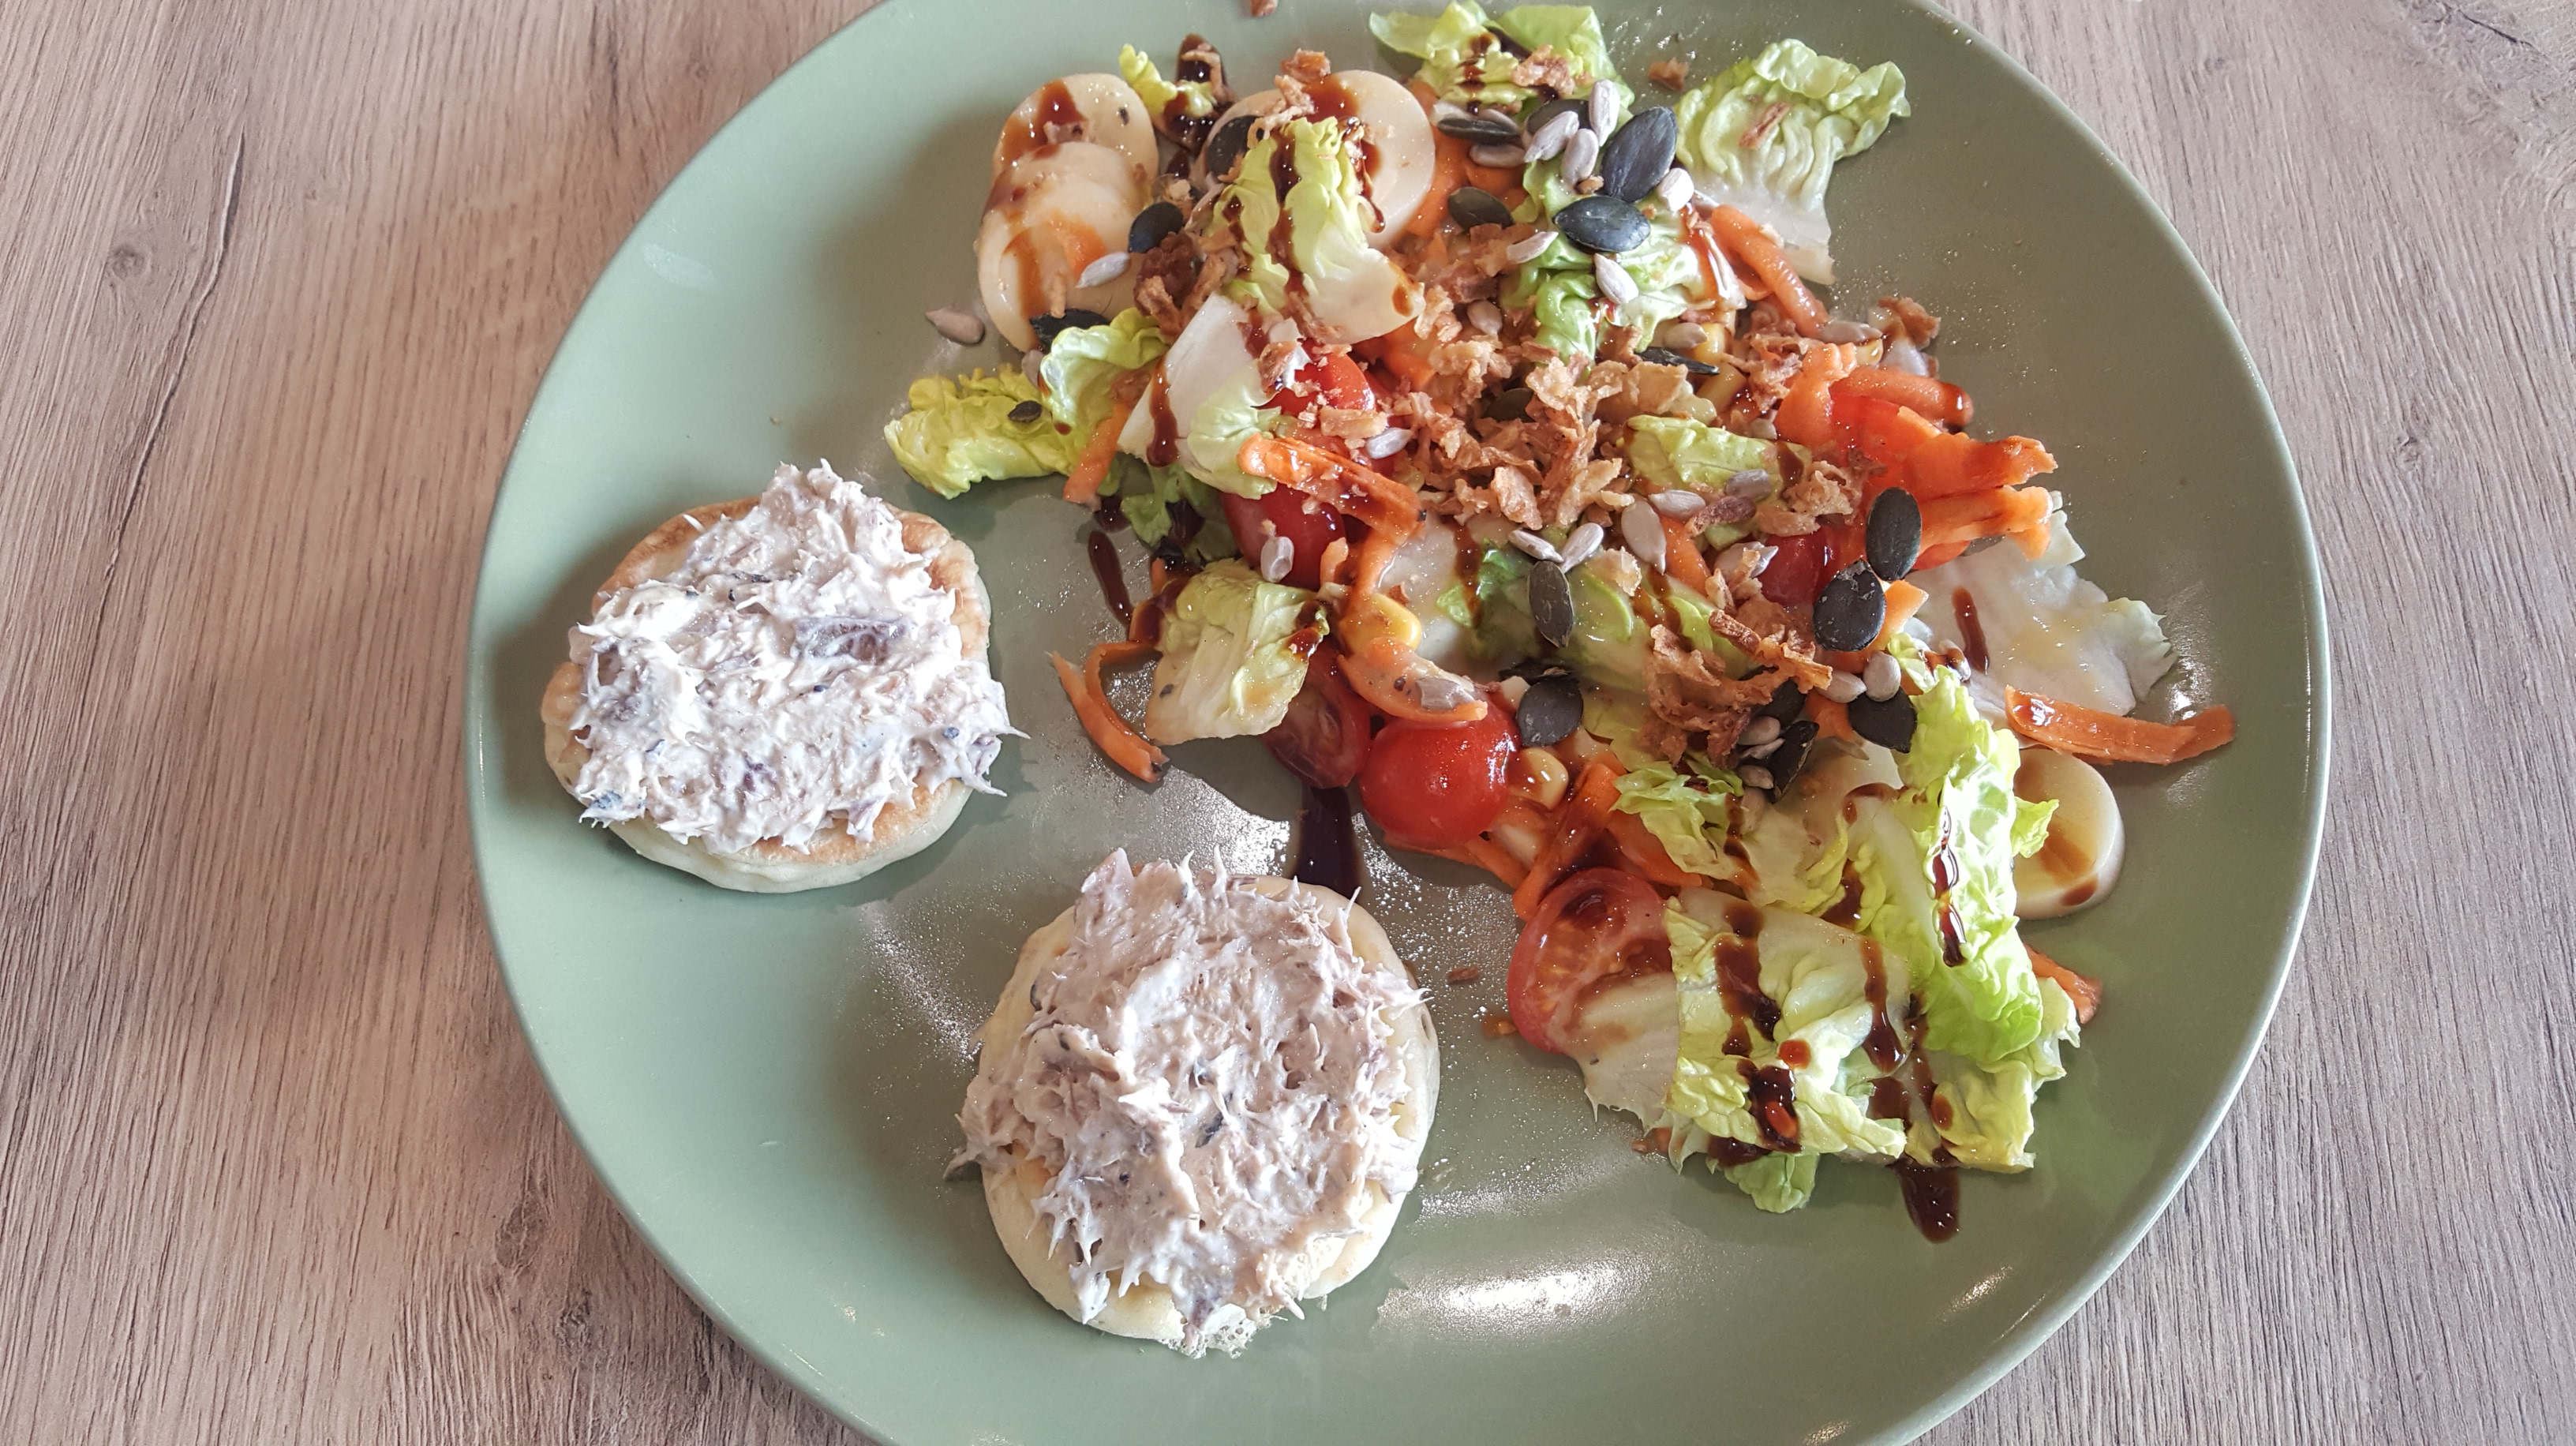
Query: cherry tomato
x=1439 y=784
x=1308 y=525
x=1337 y=379
x=1597 y=925
x=1797 y=571
x=1325 y=737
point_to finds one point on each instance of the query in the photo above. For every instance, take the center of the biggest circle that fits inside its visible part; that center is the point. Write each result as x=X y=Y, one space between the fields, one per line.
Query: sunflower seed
x=1551 y=709
x=1682 y=335
x=1442 y=110
x=1643 y=531
x=1473 y=206
x=1635 y=158
x=1526 y=249
x=1905 y=356
x=1664 y=356
x=1844 y=687
x=1105 y=270
x=1764 y=729
x=1551 y=603
x=1760 y=429
x=1676 y=503
x=1579 y=546
x=1882 y=678
x=1850 y=610
x=1614 y=280
x=1152 y=224
x=1730 y=510
x=1764 y=750
x=1497 y=155
x=1387 y=443
x=1027 y=412
x=1536 y=546
x=1752 y=557
x=1895 y=533
x=1486 y=317
x=1278 y=555
x=1752 y=482
x=1603 y=112
x=1550 y=137
x=1674 y=190
x=1888 y=722
x=1480 y=129
x=1755 y=776
x=963 y=328
x=1582 y=151
x=1440 y=692
x=1846 y=333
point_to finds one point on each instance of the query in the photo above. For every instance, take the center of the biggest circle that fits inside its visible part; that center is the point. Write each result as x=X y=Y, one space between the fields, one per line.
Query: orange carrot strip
x=1576 y=823
x=1951 y=464
x=1935 y=556
x=2109 y=738
x=1448 y=172
x=1930 y=396
x=1645 y=853
x=1996 y=513
x=1369 y=563
x=1082 y=484
x=1745 y=237
x=1121 y=742
x=1682 y=560
x=1341 y=484
x=1337 y=555
x=1806 y=415
x=2087 y=993
x=1904 y=600
x=1832 y=719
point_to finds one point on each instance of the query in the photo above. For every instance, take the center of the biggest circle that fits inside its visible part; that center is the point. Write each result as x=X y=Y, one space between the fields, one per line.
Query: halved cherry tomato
x=1309 y=526
x=1439 y=784
x=1325 y=737
x=1340 y=381
x=1598 y=924
x=1797 y=570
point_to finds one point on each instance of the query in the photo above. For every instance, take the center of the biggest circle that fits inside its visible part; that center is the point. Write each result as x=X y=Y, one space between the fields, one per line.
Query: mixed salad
x=1497 y=455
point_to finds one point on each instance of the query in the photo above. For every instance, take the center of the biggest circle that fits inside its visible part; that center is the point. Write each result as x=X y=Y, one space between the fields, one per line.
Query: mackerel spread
x=800 y=667
x=1208 y=1076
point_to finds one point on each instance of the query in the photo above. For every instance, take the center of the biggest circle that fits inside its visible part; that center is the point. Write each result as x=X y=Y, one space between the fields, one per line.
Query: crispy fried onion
x=1686 y=695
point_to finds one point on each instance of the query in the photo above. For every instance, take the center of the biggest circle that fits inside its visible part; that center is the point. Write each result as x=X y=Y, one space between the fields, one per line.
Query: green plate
x=769 y=1084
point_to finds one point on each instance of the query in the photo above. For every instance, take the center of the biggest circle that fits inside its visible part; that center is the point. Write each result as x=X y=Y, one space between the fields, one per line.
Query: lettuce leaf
x=1227 y=668
x=1464 y=63
x=2046 y=630
x=1559 y=286
x=959 y=432
x=1350 y=290
x=1083 y=362
x=1146 y=494
x=1687 y=814
x=1198 y=97
x=1678 y=452
x=1764 y=137
x=1990 y=1106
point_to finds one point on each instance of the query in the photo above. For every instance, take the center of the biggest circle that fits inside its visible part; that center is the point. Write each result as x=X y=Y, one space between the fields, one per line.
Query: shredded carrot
x=2109 y=738
x=1449 y=168
x=1932 y=557
x=1682 y=560
x=1386 y=505
x=1368 y=564
x=1117 y=738
x=1999 y=513
x=1399 y=352
x=1645 y=853
x=1806 y=415
x=1748 y=239
x=2087 y=993
x=1952 y=464
x=1082 y=484
x=1904 y=600
x=1832 y=719
x=1705 y=247
x=1337 y=555
x=1929 y=396
x=1573 y=827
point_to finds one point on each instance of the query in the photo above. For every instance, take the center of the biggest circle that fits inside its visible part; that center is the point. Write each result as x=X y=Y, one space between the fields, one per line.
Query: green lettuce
x=1351 y=290
x=1083 y=362
x=1228 y=666
x=1764 y=136
x=959 y=432
x=1146 y=494
x=1990 y=1106
x=1678 y=452
x=1687 y=813
x=1464 y=62
x=1213 y=437
x=1558 y=284
x=1197 y=97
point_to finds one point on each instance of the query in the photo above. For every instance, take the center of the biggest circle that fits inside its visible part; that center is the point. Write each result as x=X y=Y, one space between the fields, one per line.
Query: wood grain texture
x=277 y=279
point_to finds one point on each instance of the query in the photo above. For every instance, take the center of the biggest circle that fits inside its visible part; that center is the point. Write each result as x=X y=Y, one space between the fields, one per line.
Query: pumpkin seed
x=1888 y=722
x=1664 y=356
x=1048 y=328
x=1225 y=149
x=1850 y=610
x=1786 y=704
x=1474 y=206
x=1511 y=405
x=1635 y=158
x=1895 y=536
x=1551 y=709
x=1796 y=740
x=1551 y=604
x=1152 y=224
x=1478 y=129
x=1027 y=412
x=1602 y=225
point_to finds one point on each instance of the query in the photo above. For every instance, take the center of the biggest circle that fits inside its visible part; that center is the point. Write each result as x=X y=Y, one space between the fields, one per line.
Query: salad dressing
x=1972 y=633
x=1056 y=113
x=1327 y=842
x=1880 y=1044
x=1112 y=577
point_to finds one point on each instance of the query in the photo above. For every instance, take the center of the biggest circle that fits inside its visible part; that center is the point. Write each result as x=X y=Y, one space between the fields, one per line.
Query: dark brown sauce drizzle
x=1165 y=448
x=1972 y=633
x=1739 y=978
x=1771 y=1094
x=1881 y=1044
x=1931 y=1197
x=1111 y=575
x=1283 y=174
x=1328 y=845
x=1055 y=108
x=1846 y=910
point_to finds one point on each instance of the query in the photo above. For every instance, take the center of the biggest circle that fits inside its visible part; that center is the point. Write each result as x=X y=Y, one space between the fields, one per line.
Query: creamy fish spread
x=800 y=667
x=1208 y=1077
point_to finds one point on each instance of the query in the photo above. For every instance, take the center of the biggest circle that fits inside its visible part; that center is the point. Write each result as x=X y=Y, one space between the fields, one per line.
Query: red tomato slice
x=1439 y=784
x=1336 y=379
x=1597 y=925
x=1325 y=737
x=1309 y=526
x=1797 y=571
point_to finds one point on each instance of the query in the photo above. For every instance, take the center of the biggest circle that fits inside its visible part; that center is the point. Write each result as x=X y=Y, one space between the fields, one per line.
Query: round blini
x=835 y=855
x=1146 y=1311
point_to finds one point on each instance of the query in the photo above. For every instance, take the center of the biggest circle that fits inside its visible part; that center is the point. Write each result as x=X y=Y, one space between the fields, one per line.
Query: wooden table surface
x=277 y=279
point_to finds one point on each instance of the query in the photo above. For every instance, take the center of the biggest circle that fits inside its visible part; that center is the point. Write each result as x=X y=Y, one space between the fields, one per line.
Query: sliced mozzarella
x=1422 y=569
x=1055 y=211
x=1400 y=150
x=2081 y=860
x=1100 y=109
x=1628 y=1038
